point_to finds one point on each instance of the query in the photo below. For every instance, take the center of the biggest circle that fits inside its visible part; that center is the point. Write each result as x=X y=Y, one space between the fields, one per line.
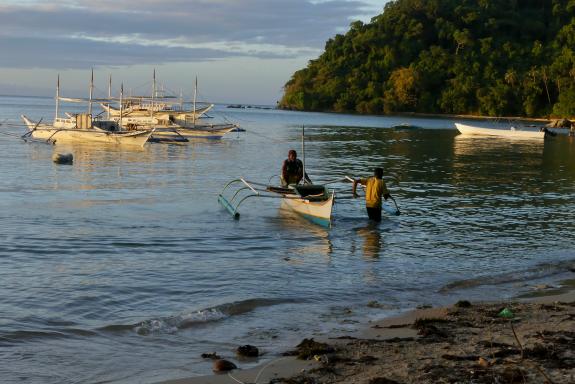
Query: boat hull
x=509 y=133
x=157 y=113
x=318 y=212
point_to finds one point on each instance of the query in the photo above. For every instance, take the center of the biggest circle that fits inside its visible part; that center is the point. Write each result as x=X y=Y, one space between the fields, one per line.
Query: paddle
x=389 y=210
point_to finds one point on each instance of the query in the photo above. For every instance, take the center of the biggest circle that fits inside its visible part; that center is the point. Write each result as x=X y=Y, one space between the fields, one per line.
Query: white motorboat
x=512 y=132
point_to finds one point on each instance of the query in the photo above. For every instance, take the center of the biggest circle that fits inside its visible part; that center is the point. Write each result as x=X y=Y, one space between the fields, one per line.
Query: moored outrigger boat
x=83 y=127
x=314 y=202
x=86 y=130
x=155 y=109
x=143 y=107
x=198 y=131
x=170 y=122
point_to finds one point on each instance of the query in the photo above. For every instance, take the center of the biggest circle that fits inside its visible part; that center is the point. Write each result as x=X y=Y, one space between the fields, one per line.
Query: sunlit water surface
x=123 y=268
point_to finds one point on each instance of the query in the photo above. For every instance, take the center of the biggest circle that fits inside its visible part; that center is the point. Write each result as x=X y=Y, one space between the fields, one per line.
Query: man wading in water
x=375 y=188
x=292 y=170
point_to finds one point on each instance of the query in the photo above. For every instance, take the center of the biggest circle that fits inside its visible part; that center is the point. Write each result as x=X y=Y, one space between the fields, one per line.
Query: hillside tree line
x=487 y=57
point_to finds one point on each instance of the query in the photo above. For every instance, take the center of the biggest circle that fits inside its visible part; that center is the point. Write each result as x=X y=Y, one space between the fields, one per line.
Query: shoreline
x=445 y=116
x=479 y=117
x=461 y=341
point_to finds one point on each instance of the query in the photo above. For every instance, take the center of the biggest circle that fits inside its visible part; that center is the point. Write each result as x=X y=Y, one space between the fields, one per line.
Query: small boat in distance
x=512 y=132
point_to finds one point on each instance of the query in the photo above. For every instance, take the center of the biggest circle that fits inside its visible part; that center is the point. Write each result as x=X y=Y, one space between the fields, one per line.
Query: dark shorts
x=374 y=214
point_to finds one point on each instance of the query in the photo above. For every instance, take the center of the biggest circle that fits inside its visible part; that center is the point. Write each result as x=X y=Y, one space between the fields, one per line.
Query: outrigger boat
x=156 y=108
x=83 y=127
x=160 y=110
x=169 y=123
x=312 y=201
x=198 y=131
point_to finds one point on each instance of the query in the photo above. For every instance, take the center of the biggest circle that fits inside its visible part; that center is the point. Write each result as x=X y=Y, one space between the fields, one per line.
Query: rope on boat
x=11 y=134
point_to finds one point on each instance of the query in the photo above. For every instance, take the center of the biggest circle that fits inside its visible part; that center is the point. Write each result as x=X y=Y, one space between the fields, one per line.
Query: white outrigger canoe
x=83 y=129
x=159 y=111
x=513 y=132
x=198 y=131
x=311 y=201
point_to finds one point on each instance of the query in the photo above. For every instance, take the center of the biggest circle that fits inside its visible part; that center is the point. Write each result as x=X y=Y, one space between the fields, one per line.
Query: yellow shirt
x=375 y=189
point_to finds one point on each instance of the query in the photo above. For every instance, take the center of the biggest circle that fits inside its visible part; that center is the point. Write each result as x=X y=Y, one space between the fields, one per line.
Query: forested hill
x=488 y=57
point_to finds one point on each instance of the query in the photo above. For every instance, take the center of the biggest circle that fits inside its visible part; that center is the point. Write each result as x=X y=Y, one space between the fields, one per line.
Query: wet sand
x=524 y=341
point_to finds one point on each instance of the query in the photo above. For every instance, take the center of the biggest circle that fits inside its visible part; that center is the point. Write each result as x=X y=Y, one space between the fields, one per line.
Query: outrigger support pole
x=229 y=204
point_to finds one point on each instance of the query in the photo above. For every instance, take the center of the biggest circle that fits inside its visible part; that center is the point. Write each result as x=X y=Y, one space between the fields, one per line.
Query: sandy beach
x=522 y=341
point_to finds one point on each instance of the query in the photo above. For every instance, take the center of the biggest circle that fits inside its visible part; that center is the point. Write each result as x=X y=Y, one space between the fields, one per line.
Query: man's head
x=378 y=172
x=292 y=155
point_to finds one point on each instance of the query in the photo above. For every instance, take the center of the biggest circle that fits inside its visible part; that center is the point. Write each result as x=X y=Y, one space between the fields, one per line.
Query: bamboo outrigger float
x=313 y=202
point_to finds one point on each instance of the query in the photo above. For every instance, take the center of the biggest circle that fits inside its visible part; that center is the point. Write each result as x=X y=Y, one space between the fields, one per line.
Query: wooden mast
x=91 y=94
x=109 y=95
x=195 y=95
x=121 y=103
x=153 y=94
x=57 y=97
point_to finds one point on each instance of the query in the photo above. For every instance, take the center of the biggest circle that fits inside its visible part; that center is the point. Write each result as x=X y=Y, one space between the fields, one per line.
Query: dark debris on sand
x=472 y=344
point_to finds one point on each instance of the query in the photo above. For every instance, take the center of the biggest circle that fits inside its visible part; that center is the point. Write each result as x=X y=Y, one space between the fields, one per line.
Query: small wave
x=537 y=272
x=25 y=336
x=244 y=306
x=173 y=324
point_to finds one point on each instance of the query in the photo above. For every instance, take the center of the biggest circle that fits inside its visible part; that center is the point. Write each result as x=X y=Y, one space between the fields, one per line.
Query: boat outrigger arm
x=312 y=201
x=232 y=204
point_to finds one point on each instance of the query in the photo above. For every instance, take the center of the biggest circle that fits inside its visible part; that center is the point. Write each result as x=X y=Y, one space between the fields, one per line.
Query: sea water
x=123 y=268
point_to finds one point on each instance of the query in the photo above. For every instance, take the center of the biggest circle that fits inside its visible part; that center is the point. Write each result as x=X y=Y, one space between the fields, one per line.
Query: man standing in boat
x=375 y=188
x=292 y=170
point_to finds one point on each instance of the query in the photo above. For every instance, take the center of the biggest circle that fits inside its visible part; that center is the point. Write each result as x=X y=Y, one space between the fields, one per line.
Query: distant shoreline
x=443 y=116
x=479 y=117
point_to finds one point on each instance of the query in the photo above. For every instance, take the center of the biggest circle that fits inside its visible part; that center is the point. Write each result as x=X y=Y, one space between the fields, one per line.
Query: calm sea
x=123 y=268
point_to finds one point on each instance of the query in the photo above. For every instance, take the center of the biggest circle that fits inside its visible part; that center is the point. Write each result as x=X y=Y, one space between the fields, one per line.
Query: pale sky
x=242 y=51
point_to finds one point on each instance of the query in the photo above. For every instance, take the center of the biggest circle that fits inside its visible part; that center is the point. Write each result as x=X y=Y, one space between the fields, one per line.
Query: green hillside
x=496 y=58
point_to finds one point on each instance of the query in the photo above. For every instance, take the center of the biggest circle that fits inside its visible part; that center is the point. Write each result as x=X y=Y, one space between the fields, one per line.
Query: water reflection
x=317 y=241
x=479 y=145
x=372 y=240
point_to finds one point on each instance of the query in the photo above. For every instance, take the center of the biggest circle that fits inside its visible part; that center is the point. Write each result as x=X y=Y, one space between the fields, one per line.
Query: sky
x=241 y=51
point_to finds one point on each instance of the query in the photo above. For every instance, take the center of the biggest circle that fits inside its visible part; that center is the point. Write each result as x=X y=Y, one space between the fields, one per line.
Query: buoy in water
x=63 y=158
